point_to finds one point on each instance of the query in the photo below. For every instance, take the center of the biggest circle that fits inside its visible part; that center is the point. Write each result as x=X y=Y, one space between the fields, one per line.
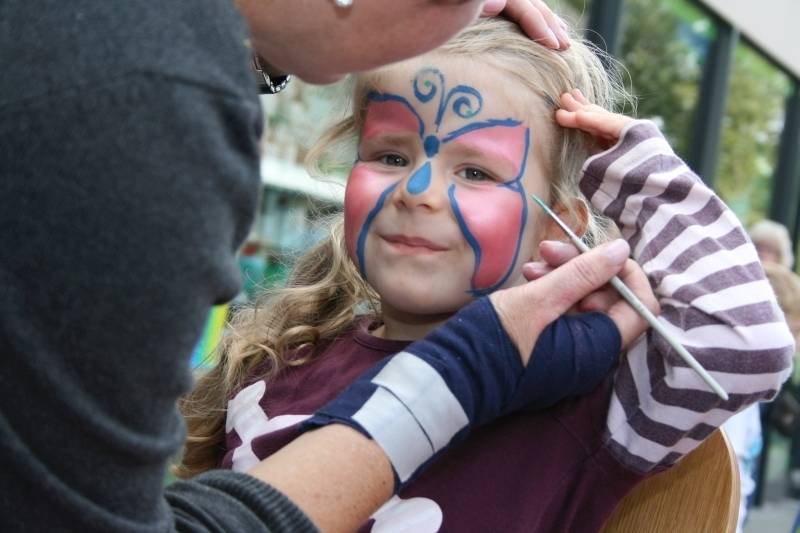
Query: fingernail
x=617 y=251
x=562 y=36
x=553 y=40
x=557 y=246
x=577 y=92
x=493 y=7
x=536 y=268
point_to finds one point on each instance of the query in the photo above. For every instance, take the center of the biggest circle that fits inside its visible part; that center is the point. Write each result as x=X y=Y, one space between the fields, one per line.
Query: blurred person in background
x=774 y=246
x=772 y=243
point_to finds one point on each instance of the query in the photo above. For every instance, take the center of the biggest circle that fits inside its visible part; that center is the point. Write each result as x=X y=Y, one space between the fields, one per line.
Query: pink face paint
x=366 y=189
x=505 y=145
x=389 y=117
x=361 y=194
x=363 y=201
x=495 y=218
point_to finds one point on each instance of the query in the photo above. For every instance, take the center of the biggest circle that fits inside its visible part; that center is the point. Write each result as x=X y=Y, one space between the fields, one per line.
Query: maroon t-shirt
x=537 y=471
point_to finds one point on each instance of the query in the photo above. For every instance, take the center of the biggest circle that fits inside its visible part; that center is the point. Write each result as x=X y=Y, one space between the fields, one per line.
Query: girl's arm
x=708 y=280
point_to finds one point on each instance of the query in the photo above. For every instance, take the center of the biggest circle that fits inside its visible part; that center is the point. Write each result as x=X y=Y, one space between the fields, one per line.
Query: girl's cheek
x=495 y=217
x=363 y=190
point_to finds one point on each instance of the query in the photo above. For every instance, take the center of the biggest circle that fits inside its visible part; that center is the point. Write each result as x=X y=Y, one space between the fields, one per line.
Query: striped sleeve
x=714 y=298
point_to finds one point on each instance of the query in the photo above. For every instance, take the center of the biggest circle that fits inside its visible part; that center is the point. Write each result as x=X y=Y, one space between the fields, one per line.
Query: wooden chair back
x=699 y=494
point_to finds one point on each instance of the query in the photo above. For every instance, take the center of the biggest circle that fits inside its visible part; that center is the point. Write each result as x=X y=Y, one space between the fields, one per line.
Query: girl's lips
x=413 y=242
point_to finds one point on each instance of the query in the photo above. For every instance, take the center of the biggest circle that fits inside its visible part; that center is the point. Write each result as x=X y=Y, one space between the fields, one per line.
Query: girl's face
x=437 y=205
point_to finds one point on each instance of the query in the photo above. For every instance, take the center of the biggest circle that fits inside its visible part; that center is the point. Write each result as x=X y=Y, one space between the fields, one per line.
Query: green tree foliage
x=751 y=131
x=663 y=68
x=663 y=47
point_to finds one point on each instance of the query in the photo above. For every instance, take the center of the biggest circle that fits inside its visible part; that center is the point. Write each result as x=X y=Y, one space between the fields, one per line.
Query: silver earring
x=343 y=3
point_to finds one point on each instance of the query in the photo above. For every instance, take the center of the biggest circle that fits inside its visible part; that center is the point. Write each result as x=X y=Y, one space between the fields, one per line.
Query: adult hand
x=606 y=299
x=527 y=309
x=535 y=19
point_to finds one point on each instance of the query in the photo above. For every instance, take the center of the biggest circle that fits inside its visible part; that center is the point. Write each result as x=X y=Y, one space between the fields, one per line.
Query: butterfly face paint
x=493 y=220
x=490 y=214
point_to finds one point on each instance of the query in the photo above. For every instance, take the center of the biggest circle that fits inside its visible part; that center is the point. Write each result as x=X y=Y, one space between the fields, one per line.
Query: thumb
x=568 y=284
x=524 y=311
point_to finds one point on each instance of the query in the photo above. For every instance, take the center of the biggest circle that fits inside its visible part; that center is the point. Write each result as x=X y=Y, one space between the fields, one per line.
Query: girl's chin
x=423 y=307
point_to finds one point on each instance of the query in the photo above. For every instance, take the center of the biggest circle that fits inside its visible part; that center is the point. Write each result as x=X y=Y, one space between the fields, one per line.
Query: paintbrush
x=637 y=304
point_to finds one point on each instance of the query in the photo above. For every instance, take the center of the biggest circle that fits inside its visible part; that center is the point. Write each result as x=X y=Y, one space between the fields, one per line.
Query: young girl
x=437 y=213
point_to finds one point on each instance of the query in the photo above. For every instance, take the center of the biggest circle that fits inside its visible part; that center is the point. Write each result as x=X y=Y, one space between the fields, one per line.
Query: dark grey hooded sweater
x=128 y=178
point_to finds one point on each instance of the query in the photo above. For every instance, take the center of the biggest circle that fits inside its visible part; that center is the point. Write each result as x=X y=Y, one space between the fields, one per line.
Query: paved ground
x=778 y=512
x=772 y=517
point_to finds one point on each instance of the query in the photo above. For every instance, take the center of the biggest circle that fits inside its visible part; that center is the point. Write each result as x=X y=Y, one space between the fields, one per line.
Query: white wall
x=774 y=25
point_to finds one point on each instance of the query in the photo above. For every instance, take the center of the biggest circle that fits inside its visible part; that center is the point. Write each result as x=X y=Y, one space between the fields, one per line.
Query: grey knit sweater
x=128 y=178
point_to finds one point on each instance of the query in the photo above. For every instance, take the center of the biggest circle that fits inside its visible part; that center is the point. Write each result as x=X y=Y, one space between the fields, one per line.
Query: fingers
x=580 y=276
x=576 y=112
x=553 y=254
x=630 y=323
x=554 y=23
x=556 y=253
x=606 y=299
x=524 y=311
x=600 y=301
x=575 y=100
x=535 y=270
x=578 y=96
x=538 y=22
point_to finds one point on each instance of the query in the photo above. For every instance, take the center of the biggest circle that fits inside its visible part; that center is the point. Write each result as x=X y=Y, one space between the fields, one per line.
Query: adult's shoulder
x=55 y=45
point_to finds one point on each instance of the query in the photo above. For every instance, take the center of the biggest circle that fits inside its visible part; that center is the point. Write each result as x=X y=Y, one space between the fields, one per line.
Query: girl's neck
x=398 y=325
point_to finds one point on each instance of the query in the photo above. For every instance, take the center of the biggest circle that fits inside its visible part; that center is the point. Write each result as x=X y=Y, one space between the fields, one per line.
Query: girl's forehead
x=432 y=81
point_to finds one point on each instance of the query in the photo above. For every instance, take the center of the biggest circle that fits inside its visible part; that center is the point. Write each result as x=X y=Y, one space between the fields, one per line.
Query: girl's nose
x=421 y=189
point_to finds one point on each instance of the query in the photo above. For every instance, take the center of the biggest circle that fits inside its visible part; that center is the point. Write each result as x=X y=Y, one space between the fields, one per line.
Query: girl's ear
x=575 y=215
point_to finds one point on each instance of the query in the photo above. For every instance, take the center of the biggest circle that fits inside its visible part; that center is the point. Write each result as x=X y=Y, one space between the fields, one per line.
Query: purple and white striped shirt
x=714 y=299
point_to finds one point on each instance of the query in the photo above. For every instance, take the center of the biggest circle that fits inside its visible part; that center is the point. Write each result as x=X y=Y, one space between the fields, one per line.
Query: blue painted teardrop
x=420 y=180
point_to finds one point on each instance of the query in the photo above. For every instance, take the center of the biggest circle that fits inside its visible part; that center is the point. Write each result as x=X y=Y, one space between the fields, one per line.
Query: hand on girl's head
x=535 y=18
x=605 y=300
x=578 y=113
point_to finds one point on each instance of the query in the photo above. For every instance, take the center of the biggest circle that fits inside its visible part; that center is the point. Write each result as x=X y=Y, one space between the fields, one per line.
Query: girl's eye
x=393 y=160
x=475 y=174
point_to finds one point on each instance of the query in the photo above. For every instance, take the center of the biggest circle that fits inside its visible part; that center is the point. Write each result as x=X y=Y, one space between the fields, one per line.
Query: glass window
x=753 y=122
x=663 y=48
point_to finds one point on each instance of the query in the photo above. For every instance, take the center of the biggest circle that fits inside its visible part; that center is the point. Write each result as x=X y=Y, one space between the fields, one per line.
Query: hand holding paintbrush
x=631 y=325
x=640 y=308
x=577 y=112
